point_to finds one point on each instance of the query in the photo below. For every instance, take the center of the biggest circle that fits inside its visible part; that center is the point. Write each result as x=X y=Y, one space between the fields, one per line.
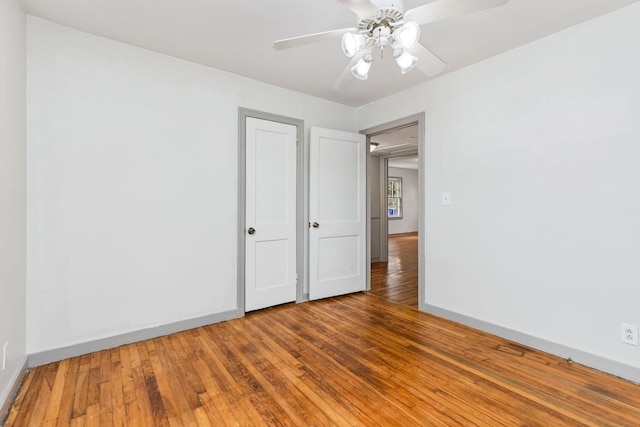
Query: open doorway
x=397 y=278
x=396 y=206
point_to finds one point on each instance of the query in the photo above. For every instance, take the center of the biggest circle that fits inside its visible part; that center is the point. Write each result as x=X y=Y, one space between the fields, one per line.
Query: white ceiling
x=237 y=36
x=396 y=141
x=406 y=162
x=396 y=144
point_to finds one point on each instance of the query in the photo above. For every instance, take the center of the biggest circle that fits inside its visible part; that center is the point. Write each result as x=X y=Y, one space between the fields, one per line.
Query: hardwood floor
x=397 y=280
x=363 y=359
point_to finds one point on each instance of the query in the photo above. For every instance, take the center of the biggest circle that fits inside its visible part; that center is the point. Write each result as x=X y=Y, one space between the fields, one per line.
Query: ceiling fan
x=384 y=23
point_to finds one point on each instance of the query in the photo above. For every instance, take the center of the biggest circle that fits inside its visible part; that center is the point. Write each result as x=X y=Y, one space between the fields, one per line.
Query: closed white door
x=337 y=213
x=270 y=217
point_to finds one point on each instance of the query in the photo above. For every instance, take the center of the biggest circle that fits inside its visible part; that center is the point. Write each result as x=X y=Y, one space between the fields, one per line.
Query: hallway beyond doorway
x=397 y=280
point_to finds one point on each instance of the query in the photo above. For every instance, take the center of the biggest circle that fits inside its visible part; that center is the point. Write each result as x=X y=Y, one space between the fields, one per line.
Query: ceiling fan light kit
x=383 y=23
x=378 y=32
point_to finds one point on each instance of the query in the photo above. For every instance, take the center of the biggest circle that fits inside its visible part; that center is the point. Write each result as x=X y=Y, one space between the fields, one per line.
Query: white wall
x=132 y=184
x=409 y=221
x=12 y=192
x=540 y=149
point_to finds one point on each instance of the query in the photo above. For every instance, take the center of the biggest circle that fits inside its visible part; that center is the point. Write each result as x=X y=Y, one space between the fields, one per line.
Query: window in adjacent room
x=394 y=197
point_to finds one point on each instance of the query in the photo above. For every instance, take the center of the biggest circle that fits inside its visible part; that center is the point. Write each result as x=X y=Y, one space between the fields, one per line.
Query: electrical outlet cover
x=629 y=333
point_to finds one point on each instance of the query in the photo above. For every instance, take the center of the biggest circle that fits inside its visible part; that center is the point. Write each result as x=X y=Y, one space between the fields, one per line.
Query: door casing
x=418 y=119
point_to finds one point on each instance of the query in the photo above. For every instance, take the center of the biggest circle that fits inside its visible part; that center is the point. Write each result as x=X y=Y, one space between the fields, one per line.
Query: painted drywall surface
x=12 y=191
x=409 y=221
x=539 y=148
x=132 y=184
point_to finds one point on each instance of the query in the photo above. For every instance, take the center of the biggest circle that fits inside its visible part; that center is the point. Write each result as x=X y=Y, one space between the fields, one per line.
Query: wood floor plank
x=164 y=362
x=23 y=407
x=81 y=389
x=228 y=395
x=341 y=403
x=92 y=416
x=359 y=360
x=105 y=409
x=93 y=384
x=78 y=421
x=37 y=416
x=65 y=404
x=446 y=361
x=217 y=412
x=182 y=357
x=18 y=403
x=139 y=413
x=272 y=375
x=118 y=402
x=286 y=372
x=157 y=406
x=423 y=383
x=202 y=417
x=367 y=378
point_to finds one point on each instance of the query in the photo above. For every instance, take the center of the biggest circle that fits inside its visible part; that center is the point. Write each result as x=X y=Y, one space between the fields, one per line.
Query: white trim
x=58 y=354
x=630 y=373
x=418 y=118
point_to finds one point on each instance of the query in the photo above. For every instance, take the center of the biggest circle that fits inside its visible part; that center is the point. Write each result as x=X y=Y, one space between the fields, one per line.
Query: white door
x=270 y=235
x=337 y=213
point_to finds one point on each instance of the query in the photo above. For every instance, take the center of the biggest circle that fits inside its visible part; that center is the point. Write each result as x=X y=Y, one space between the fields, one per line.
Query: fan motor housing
x=389 y=12
x=389 y=4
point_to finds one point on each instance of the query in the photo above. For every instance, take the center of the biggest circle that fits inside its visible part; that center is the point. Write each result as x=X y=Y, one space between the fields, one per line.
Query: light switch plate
x=446 y=198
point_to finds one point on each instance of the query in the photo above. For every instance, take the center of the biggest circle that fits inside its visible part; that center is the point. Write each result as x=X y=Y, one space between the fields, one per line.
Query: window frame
x=398 y=197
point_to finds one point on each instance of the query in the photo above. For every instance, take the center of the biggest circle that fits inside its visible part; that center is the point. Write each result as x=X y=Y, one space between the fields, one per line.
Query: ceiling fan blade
x=428 y=62
x=443 y=9
x=310 y=38
x=346 y=78
x=360 y=7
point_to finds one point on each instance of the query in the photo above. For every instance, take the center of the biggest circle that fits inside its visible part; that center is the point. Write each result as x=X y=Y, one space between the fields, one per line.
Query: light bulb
x=408 y=34
x=405 y=60
x=352 y=43
x=361 y=69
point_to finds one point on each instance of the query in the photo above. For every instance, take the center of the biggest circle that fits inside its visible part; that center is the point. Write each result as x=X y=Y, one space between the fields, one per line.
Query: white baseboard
x=618 y=369
x=58 y=354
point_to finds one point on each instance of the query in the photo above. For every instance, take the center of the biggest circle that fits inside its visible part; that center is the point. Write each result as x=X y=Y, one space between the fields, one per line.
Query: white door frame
x=418 y=119
x=243 y=113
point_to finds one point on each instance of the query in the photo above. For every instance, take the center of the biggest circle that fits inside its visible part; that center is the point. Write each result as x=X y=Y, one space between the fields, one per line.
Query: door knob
x=316 y=225
x=251 y=230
